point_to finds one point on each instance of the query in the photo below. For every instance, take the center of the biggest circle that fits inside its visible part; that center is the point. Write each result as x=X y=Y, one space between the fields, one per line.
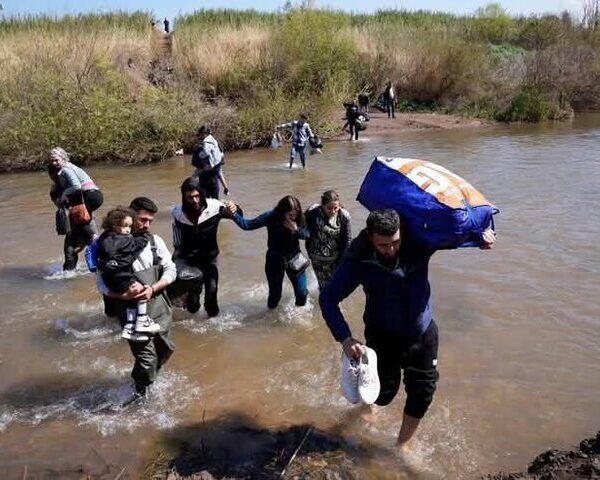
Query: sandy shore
x=380 y=124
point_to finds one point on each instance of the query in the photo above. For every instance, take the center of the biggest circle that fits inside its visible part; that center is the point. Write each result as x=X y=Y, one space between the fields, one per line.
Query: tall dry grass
x=110 y=86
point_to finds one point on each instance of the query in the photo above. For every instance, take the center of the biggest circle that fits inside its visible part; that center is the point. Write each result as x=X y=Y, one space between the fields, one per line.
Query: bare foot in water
x=411 y=458
x=369 y=413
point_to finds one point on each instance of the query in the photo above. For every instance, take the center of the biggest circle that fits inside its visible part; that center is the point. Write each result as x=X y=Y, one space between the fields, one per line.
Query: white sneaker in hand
x=349 y=379
x=368 y=379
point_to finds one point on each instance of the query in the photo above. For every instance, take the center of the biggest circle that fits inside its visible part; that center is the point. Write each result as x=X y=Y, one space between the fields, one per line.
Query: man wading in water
x=399 y=326
x=154 y=270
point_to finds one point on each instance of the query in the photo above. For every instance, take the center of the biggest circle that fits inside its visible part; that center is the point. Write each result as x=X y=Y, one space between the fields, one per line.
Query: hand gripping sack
x=440 y=209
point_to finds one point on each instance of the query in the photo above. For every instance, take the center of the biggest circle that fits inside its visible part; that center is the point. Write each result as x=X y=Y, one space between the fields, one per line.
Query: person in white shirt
x=155 y=270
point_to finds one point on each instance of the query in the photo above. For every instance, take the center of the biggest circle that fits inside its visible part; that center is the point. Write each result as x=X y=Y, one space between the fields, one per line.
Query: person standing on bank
x=285 y=228
x=195 y=223
x=208 y=159
x=74 y=189
x=393 y=271
x=154 y=270
x=389 y=98
x=301 y=132
x=330 y=235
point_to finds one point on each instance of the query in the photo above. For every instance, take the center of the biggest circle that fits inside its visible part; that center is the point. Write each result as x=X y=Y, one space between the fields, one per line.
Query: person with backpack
x=208 y=160
x=355 y=119
x=74 y=192
x=301 y=132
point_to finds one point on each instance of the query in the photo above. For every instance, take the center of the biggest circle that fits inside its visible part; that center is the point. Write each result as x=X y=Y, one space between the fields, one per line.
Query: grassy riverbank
x=108 y=87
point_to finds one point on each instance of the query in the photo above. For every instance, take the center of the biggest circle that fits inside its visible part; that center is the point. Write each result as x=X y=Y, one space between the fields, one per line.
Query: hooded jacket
x=198 y=241
x=397 y=299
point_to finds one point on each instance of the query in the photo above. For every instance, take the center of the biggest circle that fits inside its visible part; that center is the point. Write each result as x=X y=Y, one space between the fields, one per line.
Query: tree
x=591 y=14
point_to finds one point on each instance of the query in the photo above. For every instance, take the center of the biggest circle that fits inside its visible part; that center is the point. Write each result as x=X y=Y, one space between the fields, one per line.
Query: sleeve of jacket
x=252 y=223
x=169 y=272
x=345 y=232
x=343 y=282
x=303 y=233
x=176 y=234
x=310 y=133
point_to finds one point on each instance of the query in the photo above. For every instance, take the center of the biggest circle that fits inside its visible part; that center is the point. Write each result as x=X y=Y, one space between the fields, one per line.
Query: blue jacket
x=280 y=240
x=397 y=300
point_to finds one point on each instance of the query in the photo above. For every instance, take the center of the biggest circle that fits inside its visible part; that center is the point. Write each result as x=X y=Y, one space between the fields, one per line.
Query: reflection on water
x=519 y=325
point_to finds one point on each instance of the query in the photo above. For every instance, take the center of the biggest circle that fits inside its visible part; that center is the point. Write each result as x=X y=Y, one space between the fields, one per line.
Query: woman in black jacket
x=330 y=235
x=285 y=227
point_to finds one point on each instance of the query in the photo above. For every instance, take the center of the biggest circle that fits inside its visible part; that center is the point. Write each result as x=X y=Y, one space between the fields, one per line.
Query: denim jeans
x=300 y=150
x=274 y=269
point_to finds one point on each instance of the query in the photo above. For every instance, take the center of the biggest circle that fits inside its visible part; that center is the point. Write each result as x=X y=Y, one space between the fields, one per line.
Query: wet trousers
x=300 y=150
x=274 y=269
x=419 y=362
x=208 y=276
x=353 y=130
x=81 y=235
x=149 y=357
x=390 y=108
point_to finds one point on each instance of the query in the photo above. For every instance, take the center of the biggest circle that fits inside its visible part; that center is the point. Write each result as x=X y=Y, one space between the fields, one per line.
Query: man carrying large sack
x=393 y=270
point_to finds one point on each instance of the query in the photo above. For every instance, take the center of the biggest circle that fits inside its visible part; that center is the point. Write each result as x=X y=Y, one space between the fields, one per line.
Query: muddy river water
x=519 y=325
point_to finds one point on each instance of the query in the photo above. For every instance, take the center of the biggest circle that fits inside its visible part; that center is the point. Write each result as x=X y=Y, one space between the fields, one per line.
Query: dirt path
x=381 y=125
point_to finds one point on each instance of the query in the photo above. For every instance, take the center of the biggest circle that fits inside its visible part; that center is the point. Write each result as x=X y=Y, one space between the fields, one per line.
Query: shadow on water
x=234 y=446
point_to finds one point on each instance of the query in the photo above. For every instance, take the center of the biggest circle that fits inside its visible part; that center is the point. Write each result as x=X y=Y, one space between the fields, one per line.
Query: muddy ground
x=580 y=463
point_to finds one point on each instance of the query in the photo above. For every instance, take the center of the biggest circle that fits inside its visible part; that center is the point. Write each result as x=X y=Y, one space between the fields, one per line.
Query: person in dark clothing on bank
x=195 y=222
x=399 y=326
x=389 y=99
x=285 y=227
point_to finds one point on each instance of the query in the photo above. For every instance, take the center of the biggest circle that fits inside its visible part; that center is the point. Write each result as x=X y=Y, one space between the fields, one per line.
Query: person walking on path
x=389 y=98
x=330 y=234
x=195 y=223
x=74 y=190
x=154 y=270
x=285 y=228
x=399 y=326
x=301 y=132
x=208 y=159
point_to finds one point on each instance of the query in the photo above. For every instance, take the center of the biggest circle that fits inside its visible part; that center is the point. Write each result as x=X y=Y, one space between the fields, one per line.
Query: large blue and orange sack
x=439 y=208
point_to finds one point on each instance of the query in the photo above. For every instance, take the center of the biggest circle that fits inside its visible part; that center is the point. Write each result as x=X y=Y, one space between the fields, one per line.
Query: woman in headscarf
x=330 y=235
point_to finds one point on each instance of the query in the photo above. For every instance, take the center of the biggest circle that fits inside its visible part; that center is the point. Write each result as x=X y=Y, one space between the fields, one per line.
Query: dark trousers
x=149 y=357
x=419 y=362
x=274 y=269
x=81 y=235
x=390 y=108
x=300 y=150
x=208 y=277
x=353 y=130
x=75 y=241
x=211 y=188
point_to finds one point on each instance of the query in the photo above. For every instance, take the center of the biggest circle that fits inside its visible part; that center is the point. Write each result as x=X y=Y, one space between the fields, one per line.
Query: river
x=519 y=325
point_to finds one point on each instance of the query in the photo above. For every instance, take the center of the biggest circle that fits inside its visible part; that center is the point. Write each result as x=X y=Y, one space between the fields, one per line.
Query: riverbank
x=303 y=452
x=112 y=88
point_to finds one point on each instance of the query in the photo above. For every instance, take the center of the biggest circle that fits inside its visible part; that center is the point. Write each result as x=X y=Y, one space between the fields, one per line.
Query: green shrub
x=531 y=104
